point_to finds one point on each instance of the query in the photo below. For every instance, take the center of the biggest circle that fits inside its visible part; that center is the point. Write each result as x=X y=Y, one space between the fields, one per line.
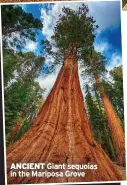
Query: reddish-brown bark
x=14 y=131
x=118 y=135
x=62 y=134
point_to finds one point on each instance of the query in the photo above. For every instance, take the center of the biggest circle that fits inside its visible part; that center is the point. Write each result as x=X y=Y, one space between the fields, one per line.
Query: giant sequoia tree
x=61 y=133
x=98 y=121
x=97 y=67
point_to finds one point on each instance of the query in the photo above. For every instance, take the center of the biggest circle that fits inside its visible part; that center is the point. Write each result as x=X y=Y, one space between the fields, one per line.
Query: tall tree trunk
x=62 y=134
x=109 y=139
x=118 y=135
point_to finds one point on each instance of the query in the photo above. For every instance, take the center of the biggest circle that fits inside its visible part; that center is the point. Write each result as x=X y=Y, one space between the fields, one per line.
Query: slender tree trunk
x=118 y=135
x=62 y=134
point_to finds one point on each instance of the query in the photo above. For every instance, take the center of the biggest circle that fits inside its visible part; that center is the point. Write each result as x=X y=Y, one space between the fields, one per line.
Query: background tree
x=96 y=67
x=15 y=20
x=29 y=115
x=20 y=87
x=114 y=89
x=99 y=122
x=20 y=69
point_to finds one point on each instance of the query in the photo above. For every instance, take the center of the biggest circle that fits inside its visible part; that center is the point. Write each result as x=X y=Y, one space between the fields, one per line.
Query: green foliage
x=29 y=114
x=94 y=68
x=16 y=20
x=114 y=90
x=21 y=91
x=25 y=66
x=10 y=65
x=98 y=121
x=94 y=65
x=73 y=33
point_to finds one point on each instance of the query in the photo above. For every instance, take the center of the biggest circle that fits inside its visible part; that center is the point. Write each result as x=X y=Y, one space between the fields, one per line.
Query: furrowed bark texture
x=62 y=134
x=118 y=135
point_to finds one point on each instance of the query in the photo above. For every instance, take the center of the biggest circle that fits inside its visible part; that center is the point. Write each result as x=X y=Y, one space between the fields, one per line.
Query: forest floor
x=121 y=170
